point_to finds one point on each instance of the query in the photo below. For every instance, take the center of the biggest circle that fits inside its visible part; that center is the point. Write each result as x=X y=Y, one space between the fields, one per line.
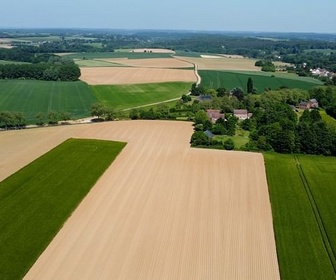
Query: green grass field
x=187 y=54
x=240 y=139
x=32 y=97
x=328 y=119
x=38 y=199
x=96 y=63
x=129 y=96
x=229 y=80
x=129 y=55
x=302 y=192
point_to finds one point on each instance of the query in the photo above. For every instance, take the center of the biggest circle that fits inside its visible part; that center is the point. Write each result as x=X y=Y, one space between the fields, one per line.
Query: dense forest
x=47 y=67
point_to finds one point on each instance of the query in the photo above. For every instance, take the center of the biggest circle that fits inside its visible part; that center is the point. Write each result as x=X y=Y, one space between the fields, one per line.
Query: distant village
x=319 y=72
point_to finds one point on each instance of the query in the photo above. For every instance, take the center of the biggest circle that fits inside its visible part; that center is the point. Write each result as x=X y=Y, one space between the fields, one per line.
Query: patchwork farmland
x=43 y=202
x=153 y=214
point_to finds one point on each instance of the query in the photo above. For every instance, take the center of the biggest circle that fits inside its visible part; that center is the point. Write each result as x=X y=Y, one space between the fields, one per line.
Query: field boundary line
x=317 y=215
x=199 y=79
x=153 y=104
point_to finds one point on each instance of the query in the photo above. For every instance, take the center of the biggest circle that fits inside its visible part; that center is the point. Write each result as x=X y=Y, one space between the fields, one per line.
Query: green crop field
x=129 y=96
x=96 y=63
x=38 y=199
x=303 y=198
x=229 y=80
x=129 y=55
x=32 y=97
x=187 y=54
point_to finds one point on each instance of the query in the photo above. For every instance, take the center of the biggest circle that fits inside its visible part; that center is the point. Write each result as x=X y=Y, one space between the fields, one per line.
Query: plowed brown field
x=125 y=75
x=161 y=211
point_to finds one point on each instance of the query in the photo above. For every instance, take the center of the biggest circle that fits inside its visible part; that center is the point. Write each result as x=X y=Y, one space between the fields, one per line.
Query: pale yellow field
x=133 y=75
x=221 y=56
x=152 y=62
x=223 y=63
x=5 y=40
x=153 y=50
x=5 y=46
x=161 y=211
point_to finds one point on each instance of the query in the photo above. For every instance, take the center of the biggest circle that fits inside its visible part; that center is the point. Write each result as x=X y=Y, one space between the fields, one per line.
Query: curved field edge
x=39 y=198
x=128 y=96
x=302 y=247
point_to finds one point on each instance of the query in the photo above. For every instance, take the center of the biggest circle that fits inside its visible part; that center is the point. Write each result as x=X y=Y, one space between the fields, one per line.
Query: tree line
x=12 y=120
x=16 y=120
x=41 y=71
x=41 y=67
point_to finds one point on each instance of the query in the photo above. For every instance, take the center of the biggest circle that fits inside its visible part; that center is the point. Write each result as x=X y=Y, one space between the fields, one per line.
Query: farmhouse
x=242 y=114
x=312 y=103
x=214 y=115
x=304 y=105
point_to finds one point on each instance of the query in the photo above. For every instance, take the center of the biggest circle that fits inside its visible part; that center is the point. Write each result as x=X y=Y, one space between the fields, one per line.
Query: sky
x=210 y=15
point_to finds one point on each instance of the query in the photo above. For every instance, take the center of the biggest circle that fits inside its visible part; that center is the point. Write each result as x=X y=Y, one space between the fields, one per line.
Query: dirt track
x=161 y=211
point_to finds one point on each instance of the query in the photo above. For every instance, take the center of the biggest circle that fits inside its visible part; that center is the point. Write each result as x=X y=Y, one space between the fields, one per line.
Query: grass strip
x=317 y=214
x=37 y=200
x=300 y=248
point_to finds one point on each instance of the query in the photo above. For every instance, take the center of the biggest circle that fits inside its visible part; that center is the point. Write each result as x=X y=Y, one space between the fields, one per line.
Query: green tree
x=19 y=119
x=134 y=114
x=98 y=109
x=40 y=118
x=109 y=114
x=201 y=117
x=221 y=92
x=238 y=92
x=185 y=98
x=53 y=117
x=198 y=138
x=65 y=116
x=229 y=144
x=6 y=120
x=249 y=85
x=230 y=123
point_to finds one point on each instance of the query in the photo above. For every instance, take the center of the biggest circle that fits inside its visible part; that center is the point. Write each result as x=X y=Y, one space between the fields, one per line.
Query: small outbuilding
x=214 y=115
x=242 y=114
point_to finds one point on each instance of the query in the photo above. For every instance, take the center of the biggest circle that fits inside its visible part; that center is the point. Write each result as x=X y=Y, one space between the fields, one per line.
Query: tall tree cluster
x=278 y=129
